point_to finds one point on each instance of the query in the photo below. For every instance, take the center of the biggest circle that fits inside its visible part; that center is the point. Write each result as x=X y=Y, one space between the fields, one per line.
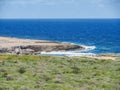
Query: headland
x=27 y=46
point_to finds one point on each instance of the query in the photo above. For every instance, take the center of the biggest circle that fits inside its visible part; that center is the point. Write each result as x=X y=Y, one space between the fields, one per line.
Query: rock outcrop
x=24 y=46
x=35 y=49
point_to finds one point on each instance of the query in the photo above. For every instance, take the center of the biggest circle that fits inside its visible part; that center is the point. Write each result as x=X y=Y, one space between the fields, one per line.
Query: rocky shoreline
x=27 y=47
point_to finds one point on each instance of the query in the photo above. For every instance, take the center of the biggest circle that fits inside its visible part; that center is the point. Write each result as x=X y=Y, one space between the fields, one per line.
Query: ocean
x=97 y=35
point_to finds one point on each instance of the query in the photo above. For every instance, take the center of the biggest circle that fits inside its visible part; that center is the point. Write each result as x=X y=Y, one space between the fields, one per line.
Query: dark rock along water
x=104 y=34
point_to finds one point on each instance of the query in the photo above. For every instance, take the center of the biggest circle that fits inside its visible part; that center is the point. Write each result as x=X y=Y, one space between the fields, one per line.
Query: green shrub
x=22 y=70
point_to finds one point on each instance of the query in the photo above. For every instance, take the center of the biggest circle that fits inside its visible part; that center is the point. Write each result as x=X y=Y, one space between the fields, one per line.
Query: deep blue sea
x=104 y=34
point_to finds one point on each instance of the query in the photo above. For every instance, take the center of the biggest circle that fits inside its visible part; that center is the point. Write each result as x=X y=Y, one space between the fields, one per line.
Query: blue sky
x=59 y=8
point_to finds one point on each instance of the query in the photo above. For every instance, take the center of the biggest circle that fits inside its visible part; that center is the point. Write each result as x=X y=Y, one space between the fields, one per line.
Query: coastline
x=17 y=46
x=28 y=46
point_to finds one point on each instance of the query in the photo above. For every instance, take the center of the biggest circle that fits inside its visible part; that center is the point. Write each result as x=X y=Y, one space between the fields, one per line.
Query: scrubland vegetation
x=58 y=73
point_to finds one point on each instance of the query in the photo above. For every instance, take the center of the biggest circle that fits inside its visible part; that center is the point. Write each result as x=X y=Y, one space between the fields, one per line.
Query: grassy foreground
x=58 y=73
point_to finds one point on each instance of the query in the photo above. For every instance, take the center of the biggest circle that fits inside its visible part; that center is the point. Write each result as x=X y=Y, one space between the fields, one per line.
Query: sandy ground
x=6 y=42
x=102 y=57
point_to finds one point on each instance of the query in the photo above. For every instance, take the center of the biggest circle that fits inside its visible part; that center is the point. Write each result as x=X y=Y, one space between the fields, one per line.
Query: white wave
x=88 y=48
x=67 y=53
x=72 y=53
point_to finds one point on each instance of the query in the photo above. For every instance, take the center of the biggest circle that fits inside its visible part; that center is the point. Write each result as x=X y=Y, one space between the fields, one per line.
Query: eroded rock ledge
x=26 y=46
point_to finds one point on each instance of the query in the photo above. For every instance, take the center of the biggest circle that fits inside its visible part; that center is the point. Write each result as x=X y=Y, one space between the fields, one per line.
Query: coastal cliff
x=26 y=46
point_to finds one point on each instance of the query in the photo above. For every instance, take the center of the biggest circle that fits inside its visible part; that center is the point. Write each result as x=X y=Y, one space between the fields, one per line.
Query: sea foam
x=59 y=53
x=72 y=53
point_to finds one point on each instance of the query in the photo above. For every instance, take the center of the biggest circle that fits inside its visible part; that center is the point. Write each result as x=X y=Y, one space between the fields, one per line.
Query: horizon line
x=54 y=18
